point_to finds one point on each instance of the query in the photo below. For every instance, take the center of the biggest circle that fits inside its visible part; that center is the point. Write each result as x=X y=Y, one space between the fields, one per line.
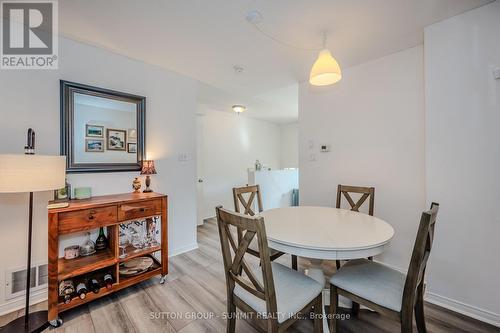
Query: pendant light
x=326 y=69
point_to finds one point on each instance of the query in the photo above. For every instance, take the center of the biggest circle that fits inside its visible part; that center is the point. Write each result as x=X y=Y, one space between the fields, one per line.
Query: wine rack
x=107 y=212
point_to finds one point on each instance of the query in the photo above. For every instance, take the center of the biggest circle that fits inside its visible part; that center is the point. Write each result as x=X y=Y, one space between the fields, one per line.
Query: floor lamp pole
x=28 y=266
x=36 y=321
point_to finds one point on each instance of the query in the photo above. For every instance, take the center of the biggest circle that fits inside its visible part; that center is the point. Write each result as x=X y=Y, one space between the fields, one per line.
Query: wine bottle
x=108 y=280
x=67 y=298
x=81 y=290
x=101 y=242
x=66 y=288
x=94 y=286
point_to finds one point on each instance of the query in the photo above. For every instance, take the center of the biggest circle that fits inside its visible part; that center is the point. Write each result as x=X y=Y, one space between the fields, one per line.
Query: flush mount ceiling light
x=239 y=108
x=326 y=69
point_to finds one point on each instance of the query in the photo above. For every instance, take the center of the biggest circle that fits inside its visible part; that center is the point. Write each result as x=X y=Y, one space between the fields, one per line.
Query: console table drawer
x=87 y=219
x=136 y=210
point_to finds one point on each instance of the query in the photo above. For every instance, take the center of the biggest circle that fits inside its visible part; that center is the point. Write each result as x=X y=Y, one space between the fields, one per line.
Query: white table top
x=326 y=233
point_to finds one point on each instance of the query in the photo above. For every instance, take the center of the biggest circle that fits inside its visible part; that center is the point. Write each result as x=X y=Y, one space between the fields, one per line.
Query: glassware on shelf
x=124 y=240
x=137 y=235
x=88 y=247
x=151 y=228
x=141 y=234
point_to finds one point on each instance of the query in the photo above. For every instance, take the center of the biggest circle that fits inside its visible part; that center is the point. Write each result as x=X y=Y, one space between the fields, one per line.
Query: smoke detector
x=238 y=69
x=254 y=17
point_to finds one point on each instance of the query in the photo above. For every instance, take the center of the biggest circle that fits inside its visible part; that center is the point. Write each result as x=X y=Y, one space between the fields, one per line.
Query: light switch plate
x=496 y=73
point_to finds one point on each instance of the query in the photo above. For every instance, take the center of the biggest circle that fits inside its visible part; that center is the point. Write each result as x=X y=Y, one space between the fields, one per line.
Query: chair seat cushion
x=372 y=281
x=294 y=291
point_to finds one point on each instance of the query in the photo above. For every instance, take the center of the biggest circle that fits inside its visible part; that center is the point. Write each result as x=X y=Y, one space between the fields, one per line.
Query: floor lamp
x=28 y=174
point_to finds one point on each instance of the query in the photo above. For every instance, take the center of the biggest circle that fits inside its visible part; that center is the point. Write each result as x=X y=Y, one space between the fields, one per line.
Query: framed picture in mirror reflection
x=94 y=146
x=116 y=139
x=94 y=131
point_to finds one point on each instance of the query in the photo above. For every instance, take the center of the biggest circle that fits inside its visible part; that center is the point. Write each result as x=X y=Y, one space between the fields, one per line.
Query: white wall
x=229 y=145
x=289 y=147
x=30 y=98
x=463 y=159
x=374 y=121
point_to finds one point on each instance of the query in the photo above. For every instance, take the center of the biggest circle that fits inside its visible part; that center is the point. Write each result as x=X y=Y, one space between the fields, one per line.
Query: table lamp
x=28 y=174
x=148 y=168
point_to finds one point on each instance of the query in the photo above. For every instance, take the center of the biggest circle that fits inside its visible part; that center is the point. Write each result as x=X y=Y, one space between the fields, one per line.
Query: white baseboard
x=462 y=308
x=457 y=306
x=18 y=303
x=183 y=249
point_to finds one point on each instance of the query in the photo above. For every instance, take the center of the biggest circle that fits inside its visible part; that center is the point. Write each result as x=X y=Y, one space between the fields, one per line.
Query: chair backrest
x=420 y=255
x=236 y=268
x=366 y=192
x=253 y=191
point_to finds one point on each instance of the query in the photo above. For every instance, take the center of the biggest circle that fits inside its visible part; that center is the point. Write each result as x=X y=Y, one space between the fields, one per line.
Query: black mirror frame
x=67 y=89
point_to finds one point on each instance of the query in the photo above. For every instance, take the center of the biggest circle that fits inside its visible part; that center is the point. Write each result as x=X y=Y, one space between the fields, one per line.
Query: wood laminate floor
x=193 y=301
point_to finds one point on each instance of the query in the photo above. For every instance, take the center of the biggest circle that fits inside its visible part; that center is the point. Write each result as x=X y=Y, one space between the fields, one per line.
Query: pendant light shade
x=326 y=70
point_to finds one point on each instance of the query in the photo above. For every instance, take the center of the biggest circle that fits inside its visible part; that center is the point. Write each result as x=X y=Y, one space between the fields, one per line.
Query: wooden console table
x=102 y=211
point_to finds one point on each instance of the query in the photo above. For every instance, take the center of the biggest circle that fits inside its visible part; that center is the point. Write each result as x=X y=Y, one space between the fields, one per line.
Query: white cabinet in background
x=276 y=186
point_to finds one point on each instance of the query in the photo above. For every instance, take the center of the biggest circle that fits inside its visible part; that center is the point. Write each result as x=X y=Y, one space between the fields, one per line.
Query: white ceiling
x=278 y=105
x=204 y=39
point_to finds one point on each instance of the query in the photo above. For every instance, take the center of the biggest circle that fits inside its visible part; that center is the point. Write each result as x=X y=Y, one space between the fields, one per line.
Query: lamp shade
x=31 y=173
x=326 y=70
x=148 y=167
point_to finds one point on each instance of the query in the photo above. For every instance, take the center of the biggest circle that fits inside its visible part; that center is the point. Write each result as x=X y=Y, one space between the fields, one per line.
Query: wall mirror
x=101 y=130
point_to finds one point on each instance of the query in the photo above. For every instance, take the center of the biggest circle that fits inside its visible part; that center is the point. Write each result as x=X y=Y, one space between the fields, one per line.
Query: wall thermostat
x=324 y=148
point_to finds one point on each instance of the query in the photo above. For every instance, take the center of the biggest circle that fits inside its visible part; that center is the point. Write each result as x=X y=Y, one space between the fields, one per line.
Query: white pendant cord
x=287 y=44
x=324 y=39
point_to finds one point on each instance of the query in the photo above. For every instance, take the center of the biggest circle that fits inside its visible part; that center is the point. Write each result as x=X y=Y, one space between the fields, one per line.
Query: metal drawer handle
x=91 y=215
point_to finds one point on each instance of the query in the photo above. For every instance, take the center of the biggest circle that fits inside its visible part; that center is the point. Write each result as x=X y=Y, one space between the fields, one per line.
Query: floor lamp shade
x=31 y=173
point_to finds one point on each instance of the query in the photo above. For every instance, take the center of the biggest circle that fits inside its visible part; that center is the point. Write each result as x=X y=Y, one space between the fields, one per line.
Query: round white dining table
x=324 y=233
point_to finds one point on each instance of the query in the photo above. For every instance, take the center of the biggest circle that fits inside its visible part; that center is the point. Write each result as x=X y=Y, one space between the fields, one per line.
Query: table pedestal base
x=315 y=271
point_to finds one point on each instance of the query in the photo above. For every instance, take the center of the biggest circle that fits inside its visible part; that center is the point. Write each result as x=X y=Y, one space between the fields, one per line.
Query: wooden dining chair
x=272 y=293
x=248 y=208
x=366 y=192
x=384 y=289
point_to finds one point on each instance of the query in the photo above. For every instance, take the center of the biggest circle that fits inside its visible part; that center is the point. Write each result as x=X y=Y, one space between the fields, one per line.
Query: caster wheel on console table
x=56 y=322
